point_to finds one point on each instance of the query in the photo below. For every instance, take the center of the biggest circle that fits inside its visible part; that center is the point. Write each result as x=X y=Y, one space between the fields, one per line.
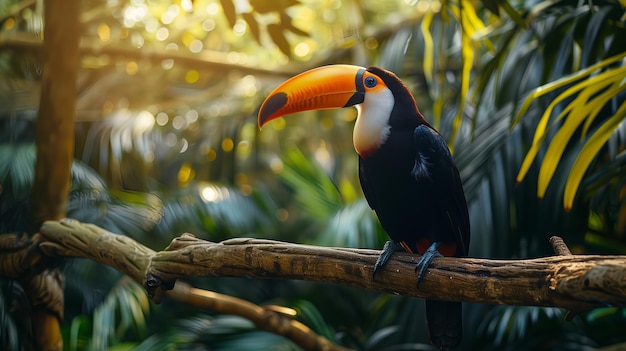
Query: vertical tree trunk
x=55 y=152
x=55 y=127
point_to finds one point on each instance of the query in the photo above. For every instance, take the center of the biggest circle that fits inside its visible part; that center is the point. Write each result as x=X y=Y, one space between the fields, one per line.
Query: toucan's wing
x=434 y=163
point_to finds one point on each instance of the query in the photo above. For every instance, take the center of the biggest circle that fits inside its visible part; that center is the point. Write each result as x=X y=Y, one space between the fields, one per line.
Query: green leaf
x=597 y=21
x=514 y=15
x=78 y=334
x=559 y=83
x=585 y=89
x=314 y=189
x=354 y=225
x=310 y=316
x=128 y=301
x=429 y=48
x=588 y=153
x=17 y=164
x=601 y=100
x=467 y=54
x=470 y=25
x=587 y=105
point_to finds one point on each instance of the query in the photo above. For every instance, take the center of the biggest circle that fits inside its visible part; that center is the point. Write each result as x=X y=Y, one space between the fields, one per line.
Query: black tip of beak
x=271 y=105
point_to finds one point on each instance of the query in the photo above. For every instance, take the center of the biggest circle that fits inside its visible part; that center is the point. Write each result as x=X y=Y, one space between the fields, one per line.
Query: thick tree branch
x=577 y=282
x=70 y=238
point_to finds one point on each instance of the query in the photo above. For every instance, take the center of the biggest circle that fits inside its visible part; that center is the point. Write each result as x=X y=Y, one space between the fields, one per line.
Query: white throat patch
x=372 y=124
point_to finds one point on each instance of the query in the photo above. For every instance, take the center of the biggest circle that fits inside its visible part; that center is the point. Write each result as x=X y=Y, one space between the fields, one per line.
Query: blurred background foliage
x=529 y=94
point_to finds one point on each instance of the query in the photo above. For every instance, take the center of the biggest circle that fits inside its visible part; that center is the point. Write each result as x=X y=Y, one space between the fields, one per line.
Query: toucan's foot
x=424 y=261
x=389 y=249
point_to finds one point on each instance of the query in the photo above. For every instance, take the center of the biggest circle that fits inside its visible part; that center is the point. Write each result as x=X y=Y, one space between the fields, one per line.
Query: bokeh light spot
x=162 y=118
x=185 y=174
x=191 y=116
x=171 y=139
x=195 y=46
x=209 y=194
x=132 y=67
x=179 y=122
x=185 y=145
x=276 y=165
x=212 y=8
x=104 y=33
x=211 y=155
x=187 y=5
x=302 y=49
x=371 y=43
x=239 y=28
x=167 y=64
x=162 y=33
x=192 y=76
x=9 y=23
x=243 y=148
x=279 y=123
x=349 y=114
x=228 y=144
x=208 y=25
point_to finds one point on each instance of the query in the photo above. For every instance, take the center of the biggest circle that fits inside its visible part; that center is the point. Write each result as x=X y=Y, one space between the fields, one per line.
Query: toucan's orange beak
x=321 y=88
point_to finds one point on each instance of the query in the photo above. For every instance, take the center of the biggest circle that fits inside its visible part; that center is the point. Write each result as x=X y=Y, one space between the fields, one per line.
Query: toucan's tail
x=444 y=323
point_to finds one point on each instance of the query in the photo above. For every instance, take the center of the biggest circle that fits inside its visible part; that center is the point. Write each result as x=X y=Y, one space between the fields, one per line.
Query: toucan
x=407 y=173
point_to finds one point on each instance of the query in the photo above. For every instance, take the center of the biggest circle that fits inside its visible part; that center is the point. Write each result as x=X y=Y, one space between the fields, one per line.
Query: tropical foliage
x=530 y=95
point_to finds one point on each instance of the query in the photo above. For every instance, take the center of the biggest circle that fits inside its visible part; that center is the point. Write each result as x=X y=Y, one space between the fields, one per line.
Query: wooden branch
x=572 y=282
x=559 y=246
x=207 y=60
x=264 y=318
x=70 y=238
x=577 y=282
x=21 y=256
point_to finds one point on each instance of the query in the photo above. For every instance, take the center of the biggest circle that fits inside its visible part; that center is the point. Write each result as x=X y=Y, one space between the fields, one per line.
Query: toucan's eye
x=370 y=82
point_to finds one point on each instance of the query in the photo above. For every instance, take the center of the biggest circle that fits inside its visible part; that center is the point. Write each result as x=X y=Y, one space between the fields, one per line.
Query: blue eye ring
x=370 y=81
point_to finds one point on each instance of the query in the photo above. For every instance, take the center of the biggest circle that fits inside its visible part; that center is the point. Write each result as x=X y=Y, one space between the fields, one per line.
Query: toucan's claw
x=425 y=260
x=389 y=249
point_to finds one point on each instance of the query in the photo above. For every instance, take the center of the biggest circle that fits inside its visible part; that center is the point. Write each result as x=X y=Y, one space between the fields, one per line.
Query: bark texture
x=575 y=282
x=55 y=152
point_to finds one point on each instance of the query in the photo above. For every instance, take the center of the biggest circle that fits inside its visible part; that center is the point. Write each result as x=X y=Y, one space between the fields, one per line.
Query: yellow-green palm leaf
x=588 y=96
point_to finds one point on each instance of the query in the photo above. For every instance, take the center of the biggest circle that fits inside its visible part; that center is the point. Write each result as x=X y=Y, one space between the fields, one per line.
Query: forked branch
x=573 y=282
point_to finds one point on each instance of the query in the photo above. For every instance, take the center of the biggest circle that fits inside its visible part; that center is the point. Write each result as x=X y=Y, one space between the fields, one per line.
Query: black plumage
x=413 y=185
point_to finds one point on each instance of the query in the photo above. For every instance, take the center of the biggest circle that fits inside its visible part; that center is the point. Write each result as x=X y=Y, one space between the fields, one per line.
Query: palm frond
x=10 y=334
x=589 y=153
x=130 y=213
x=353 y=225
x=586 y=100
x=215 y=211
x=314 y=190
x=17 y=169
x=226 y=211
x=506 y=324
x=309 y=315
x=228 y=333
x=123 y=310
